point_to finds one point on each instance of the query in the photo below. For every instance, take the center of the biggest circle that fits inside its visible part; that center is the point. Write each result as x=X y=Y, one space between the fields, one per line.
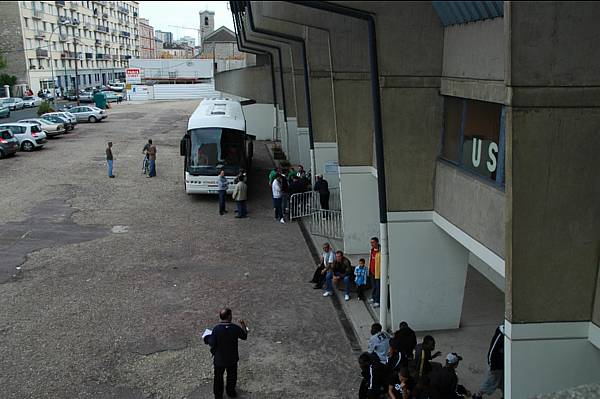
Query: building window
x=473 y=137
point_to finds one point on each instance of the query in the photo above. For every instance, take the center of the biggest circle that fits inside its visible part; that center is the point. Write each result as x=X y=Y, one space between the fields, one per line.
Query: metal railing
x=326 y=223
x=304 y=204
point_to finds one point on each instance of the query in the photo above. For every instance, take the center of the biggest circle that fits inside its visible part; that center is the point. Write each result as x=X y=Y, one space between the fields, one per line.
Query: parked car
x=70 y=95
x=31 y=101
x=86 y=96
x=50 y=128
x=9 y=144
x=64 y=114
x=59 y=119
x=30 y=136
x=14 y=103
x=112 y=97
x=4 y=110
x=116 y=86
x=88 y=113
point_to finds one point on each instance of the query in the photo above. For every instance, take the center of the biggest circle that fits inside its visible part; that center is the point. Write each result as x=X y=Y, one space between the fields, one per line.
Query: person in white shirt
x=325 y=263
x=277 y=200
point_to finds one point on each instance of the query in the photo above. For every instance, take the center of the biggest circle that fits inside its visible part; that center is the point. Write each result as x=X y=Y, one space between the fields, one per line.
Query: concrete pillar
x=553 y=187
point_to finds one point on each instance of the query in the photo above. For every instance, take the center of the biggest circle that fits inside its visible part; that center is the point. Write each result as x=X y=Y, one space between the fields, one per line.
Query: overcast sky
x=183 y=13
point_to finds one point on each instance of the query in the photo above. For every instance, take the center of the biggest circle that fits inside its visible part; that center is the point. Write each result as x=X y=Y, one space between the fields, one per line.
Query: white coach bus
x=215 y=139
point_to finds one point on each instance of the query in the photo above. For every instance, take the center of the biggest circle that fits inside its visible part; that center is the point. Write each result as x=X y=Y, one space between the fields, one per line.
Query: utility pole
x=76 y=70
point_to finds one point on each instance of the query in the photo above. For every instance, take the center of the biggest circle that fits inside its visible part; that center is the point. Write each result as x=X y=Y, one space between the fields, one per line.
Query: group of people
x=240 y=194
x=396 y=367
x=149 y=152
x=283 y=185
x=334 y=267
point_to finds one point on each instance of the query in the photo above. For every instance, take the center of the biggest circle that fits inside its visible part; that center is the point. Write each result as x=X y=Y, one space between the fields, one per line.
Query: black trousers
x=324 y=199
x=319 y=278
x=218 y=381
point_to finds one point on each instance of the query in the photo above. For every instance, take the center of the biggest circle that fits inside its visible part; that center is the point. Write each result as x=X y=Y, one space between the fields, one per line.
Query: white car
x=67 y=115
x=116 y=86
x=30 y=136
x=31 y=101
x=50 y=128
x=86 y=113
x=13 y=103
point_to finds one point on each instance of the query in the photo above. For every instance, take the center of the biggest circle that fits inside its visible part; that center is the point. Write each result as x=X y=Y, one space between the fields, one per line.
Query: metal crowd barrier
x=326 y=223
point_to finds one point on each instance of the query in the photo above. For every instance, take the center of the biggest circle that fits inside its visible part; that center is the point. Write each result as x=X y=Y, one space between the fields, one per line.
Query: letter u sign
x=476 y=154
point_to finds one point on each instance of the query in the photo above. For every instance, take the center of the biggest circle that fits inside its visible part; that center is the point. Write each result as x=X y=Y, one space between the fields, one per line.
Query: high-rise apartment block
x=44 y=41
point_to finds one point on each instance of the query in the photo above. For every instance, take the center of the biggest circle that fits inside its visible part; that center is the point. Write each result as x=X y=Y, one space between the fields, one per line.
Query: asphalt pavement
x=108 y=283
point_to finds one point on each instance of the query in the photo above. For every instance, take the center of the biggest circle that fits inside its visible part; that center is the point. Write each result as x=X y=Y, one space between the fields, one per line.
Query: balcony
x=101 y=28
x=89 y=56
x=37 y=14
x=100 y=56
x=71 y=55
x=106 y=44
x=124 y=10
x=60 y=3
x=111 y=5
x=39 y=35
x=98 y=42
x=87 y=26
x=62 y=37
x=104 y=15
x=41 y=53
x=74 y=6
x=125 y=34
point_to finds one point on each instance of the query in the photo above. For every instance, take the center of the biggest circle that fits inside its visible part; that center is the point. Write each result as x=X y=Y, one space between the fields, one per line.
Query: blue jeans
x=329 y=282
x=110 y=166
x=152 y=168
x=376 y=287
x=241 y=208
x=222 y=196
x=277 y=202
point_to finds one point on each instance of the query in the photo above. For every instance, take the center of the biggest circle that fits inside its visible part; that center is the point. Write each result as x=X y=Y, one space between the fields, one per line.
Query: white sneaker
x=346 y=297
x=328 y=293
x=371 y=300
x=375 y=305
x=281 y=221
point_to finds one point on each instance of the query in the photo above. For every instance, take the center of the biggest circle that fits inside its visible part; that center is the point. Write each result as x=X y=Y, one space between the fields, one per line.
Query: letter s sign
x=491 y=164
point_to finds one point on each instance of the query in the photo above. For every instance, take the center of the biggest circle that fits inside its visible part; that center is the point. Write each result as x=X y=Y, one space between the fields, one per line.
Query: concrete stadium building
x=466 y=133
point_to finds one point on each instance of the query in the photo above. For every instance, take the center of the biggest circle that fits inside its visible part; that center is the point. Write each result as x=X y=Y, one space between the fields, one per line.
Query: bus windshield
x=215 y=148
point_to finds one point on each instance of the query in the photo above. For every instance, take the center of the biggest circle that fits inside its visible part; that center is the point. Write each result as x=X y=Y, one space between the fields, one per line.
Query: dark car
x=9 y=144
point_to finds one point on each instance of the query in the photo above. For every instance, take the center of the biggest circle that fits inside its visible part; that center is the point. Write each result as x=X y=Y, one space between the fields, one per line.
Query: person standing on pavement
x=322 y=187
x=277 y=198
x=374 y=270
x=152 y=158
x=223 y=343
x=222 y=186
x=494 y=376
x=109 y=159
x=240 y=195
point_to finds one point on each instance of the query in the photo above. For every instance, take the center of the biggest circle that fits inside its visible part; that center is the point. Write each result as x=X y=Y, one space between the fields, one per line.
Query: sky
x=183 y=13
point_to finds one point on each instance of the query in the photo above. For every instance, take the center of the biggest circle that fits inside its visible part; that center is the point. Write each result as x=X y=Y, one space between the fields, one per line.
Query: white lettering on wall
x=476 y=153
x=491 y=164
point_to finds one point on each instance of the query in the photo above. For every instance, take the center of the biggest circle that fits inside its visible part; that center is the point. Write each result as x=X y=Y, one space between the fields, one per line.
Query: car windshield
x=214 y=148
x=35 y=129
x=52 y=118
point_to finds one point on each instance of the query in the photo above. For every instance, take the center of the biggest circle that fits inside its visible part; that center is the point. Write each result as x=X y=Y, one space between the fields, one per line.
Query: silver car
x=31 y=101
x=85 y=113
x=13 y=103
x=50 y=128
x=64 y=114
x=30 y=136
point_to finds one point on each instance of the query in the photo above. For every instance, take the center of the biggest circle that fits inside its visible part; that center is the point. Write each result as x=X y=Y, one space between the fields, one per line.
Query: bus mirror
x=182 y=148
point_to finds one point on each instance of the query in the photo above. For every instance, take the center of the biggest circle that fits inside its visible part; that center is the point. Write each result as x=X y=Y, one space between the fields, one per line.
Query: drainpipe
x=271 y=60
x=300 y=40
x=240 y=26
x=378 y=131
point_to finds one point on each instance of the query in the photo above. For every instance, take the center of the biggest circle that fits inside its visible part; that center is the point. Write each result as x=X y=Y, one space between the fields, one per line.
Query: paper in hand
x=206 y=333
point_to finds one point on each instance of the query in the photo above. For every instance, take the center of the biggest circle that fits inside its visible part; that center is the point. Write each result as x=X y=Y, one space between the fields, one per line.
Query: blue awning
x=460 y=12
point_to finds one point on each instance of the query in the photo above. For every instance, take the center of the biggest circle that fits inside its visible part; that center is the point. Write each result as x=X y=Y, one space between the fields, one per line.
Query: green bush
x=44 y=107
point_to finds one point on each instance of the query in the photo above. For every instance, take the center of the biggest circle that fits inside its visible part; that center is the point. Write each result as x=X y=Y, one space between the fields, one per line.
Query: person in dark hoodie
x=443 y=382
x=494 y=377
x=374 y=381
x=407 y=341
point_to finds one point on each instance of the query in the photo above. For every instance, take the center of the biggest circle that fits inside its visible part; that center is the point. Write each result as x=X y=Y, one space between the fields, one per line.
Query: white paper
x=206 y=333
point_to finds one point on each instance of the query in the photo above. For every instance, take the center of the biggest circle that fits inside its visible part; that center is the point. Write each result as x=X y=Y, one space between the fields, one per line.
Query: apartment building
x=147 y=42
x=48 y=43
x=165 y=37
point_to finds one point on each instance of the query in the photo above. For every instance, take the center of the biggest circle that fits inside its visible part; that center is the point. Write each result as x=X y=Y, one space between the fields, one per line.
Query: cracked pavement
x=120 y=276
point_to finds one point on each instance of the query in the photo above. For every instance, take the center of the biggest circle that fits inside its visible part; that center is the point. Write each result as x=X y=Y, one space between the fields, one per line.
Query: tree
x=2 y=60
x=6 y=79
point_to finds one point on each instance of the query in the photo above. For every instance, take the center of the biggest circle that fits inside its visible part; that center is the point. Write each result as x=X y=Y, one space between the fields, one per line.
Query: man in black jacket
x=494 y=377
x=374 y=381
x=444 y=381
x=322 y=187
x=407 y=341
x=224 y=346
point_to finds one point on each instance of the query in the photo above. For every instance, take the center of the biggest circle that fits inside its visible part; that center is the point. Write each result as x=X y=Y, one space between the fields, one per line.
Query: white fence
x=172 y=92
x=321 y=222
x=326 y=223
